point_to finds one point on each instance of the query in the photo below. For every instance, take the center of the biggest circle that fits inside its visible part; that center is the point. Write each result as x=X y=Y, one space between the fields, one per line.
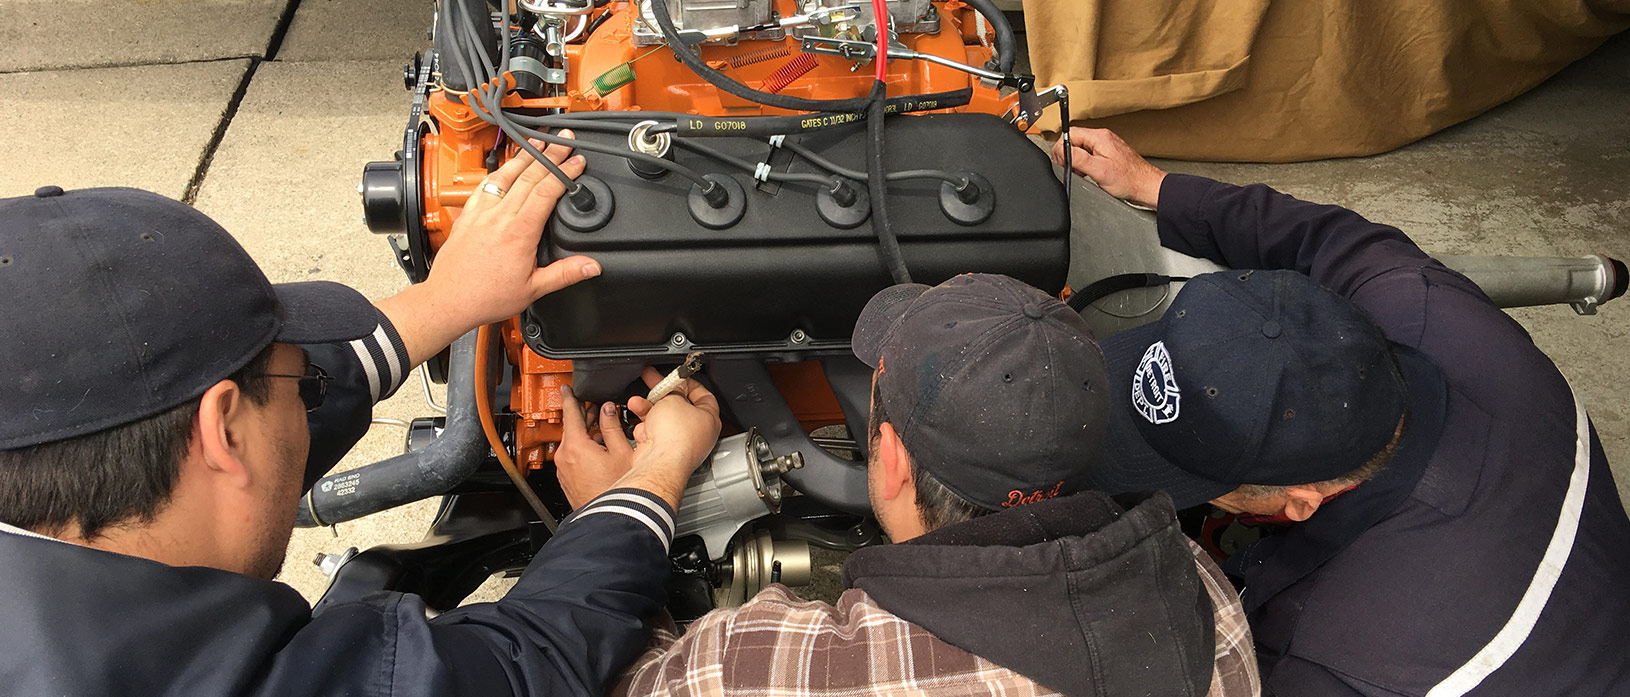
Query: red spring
x=759 y=56
x=786 y=74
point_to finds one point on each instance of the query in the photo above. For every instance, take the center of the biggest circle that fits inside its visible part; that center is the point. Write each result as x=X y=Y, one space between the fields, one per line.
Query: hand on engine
x=674 y=437
x=591 y=457
x=1112 y=164
x=490 y=258
x=487 y=270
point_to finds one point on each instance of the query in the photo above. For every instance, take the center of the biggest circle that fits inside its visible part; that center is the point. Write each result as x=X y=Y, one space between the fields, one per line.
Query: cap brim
x=882 y=312
x=323 y=312
x=1128 y=463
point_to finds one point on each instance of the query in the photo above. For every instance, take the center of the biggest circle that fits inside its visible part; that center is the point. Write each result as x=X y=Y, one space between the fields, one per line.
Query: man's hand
x=674 y=437
x=587 y=465
x=1115 y=166
x=487 y=270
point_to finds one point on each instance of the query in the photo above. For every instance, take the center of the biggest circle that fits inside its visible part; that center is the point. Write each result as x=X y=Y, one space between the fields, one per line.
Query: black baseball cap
x=1251 y=377
x=122 y=303
x=996 y=388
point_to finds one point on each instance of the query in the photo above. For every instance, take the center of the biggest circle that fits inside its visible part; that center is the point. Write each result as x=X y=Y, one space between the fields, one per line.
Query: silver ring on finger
x=493 y=189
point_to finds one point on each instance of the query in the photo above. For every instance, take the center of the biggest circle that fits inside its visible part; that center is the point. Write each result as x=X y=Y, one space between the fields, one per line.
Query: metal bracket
x=1032 y=103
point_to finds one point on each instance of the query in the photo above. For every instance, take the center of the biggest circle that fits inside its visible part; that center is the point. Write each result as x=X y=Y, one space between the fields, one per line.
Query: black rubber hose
x=446 y=41
x=1007 y=45
x=615 y=151
x=888 y=246
x=490 y=108
x=429 y=471
x=835 y=168
x=659 y=12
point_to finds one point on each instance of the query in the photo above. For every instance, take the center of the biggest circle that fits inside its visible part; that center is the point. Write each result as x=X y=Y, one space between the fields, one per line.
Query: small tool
x=691 y=366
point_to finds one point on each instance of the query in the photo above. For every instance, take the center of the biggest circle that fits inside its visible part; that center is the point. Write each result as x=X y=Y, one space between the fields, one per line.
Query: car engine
x=757 y=170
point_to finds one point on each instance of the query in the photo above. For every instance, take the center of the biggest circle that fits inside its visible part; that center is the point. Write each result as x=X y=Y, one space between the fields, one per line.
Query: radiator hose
x=408 y=477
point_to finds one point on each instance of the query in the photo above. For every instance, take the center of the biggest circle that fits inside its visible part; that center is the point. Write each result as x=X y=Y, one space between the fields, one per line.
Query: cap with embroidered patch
x=996 y=388
x=1251 y=377
x=124 y=303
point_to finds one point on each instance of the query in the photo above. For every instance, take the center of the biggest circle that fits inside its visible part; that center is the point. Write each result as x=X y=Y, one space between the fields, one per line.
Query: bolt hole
x=1086 y=385
x=1007 y=377
x=1211 y=392
x=148 y=237
x=1180 y=313
x=5 y=261
x=1290 y=413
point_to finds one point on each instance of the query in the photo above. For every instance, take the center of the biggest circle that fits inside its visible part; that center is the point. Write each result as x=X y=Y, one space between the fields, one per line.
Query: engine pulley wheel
x=592 y=218
x=732 y=208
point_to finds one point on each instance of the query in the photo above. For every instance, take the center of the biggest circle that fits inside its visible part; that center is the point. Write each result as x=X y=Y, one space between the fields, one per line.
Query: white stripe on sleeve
x=646 y=520
x=1516 y=630
x=368 y=366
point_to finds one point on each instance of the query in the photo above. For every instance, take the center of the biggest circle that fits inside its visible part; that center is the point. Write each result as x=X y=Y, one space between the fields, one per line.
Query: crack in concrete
x=215 y=138
x=273 y=44
x=128 y=64
x=281 y=31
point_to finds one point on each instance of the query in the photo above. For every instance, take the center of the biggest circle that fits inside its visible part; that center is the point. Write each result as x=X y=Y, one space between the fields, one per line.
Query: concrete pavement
x=262 y=112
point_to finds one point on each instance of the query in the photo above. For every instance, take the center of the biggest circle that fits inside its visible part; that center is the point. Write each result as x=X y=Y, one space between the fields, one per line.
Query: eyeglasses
x=313 y=385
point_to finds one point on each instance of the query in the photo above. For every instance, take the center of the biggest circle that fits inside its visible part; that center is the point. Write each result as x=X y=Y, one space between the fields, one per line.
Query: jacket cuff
x=384 y=358
x=1180 y=217
x=642 y=506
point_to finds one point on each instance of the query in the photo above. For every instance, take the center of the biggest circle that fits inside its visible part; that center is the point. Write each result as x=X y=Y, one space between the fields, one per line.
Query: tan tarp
x=1285 y=80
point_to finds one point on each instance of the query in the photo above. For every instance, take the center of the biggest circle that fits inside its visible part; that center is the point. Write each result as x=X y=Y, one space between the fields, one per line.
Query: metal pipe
x=408 y=477
x=1581 y=282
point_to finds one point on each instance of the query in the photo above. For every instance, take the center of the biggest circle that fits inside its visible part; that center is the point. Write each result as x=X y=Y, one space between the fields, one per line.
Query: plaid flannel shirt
x=778 y=645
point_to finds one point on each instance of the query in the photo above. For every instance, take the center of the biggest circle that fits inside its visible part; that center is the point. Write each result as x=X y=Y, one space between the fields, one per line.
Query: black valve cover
x=751 y=286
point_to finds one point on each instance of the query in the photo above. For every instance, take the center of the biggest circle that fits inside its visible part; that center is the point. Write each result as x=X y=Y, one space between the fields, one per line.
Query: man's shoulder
x=777 y=609
x=84 y=621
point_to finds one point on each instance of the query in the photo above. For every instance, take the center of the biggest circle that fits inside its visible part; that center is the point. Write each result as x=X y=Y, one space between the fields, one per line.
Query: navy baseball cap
x=123 y=303
x=996 y=388
x=1251 y=377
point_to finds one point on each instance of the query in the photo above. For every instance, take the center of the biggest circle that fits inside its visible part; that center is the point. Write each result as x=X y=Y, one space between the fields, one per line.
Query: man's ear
x=220 y=432
x=1301 y=501
x=896 y=464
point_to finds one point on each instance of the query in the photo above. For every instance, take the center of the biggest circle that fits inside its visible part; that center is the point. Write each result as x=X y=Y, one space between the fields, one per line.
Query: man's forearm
x=424 y=321
x=580 y=612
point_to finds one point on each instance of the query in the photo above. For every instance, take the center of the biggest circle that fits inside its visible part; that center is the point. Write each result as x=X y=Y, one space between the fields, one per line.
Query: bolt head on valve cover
x=594 y=217
x=732 y=205
x=978 y=205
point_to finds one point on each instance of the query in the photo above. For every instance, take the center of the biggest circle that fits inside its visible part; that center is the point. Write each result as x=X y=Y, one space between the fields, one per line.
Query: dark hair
x=110 y=477
x=937 y=505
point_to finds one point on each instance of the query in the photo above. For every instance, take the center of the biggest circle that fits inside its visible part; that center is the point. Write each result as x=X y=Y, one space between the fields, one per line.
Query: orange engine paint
x=455 y=152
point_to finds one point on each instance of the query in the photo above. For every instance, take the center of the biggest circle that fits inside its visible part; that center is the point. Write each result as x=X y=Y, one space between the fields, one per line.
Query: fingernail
x=566 y=391
x=576 y=160
x=608 y=409
x=567 y=133
x=590 y=270
x=537 y=143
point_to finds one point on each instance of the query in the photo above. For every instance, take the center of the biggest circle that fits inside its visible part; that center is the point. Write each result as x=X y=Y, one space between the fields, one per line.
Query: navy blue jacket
x=1492 y=556
x=78 y=621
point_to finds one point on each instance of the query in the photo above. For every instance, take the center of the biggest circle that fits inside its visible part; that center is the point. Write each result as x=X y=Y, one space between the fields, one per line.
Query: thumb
x=562 y=273
x=611 y=430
